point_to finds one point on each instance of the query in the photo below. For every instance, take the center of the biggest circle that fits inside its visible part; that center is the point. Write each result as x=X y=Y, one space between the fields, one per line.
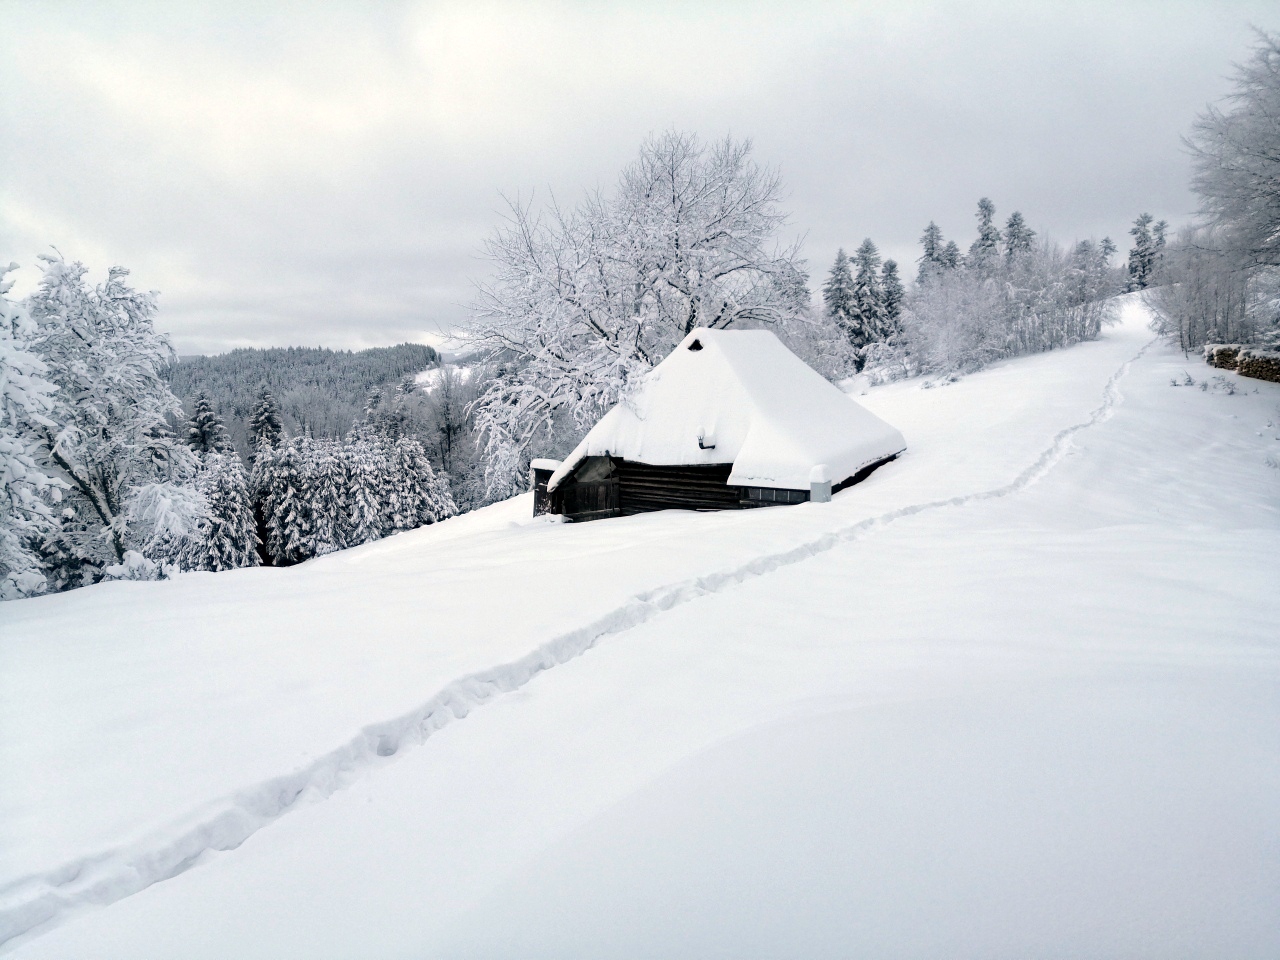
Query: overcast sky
x=325 y=174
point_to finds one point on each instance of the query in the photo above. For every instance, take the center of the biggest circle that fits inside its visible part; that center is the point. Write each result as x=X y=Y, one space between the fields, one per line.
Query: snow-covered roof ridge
x=740 y=397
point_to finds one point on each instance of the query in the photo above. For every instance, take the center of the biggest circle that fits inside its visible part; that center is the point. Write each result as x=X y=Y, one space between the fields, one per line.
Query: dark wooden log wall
x=642 y=488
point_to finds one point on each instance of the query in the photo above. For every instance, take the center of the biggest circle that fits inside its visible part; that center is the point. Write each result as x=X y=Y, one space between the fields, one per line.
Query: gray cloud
x=326 y=174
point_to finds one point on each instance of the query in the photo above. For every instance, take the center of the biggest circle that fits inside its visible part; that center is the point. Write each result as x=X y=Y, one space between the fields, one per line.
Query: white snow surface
x=741 y=398
x=1017 y=694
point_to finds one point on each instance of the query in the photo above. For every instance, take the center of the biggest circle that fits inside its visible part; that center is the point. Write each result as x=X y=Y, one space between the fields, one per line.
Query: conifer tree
x=867 y=317
x=232 y=539
x=986 y=248
x=1147 y=252
x=265 y=425
x=837 y=292
x=281 y=485
x=892 y=295
x=950 y=256
x=1017 y=236
x=369 y=483
x=206 y=433
x=932 y=260
x=328 y=481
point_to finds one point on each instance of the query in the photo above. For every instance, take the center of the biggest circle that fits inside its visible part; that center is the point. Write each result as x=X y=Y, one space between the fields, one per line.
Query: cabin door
x=592 y=500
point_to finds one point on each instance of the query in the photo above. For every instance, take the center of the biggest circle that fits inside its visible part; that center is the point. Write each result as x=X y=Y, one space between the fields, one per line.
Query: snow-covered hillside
x=1018 y=694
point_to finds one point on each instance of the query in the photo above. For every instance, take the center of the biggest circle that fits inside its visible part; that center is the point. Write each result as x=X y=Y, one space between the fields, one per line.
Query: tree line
x=1010 y=294
x=98 y=484
x=320 y=392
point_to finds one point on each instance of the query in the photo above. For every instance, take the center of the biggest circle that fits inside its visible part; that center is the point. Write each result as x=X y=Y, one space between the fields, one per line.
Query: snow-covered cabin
x=731 y=419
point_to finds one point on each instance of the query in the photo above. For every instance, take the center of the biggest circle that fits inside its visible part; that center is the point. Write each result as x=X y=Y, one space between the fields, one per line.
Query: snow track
x=37 y=902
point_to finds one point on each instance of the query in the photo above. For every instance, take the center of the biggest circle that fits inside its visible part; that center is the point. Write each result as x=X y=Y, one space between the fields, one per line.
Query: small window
x=696 y=345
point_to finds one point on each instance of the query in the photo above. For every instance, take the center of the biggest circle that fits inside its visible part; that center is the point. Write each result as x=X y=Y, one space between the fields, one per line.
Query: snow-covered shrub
x=169 y=523
x=134 y=566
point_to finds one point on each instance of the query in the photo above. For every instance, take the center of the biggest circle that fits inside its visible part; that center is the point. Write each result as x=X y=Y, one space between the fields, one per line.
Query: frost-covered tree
x=28 y=494
x=950 y=256
x=867 y=320
x=1147 y=252
x=891 y=294
x=231 y=540
x=1210 y=298
x=206 y=433
x=837 y=292
x=279 y=478
x=265 y=426
x=932 y=259
x=1018 y=237
x=962 y=320
x=107 y=435
x=330 y=483
x=584 y=301
x=1236 y=158
x=450 y=439
x=985 y=249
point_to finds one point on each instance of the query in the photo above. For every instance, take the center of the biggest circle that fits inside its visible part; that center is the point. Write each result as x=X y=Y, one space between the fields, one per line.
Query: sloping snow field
x=1018 y=694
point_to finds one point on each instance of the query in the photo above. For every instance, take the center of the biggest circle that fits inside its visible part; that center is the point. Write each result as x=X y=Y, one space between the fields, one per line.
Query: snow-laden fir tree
x=584 y=301
x=370 y=486
x=891 y=295
x=931 y=260
x=329 y=483
x=1018 y=237
x=867 y=321
x=1147 y=251
x=206 y=433
x=232 y=539
x=107 y=434
x=265 y=425
x=985 y=249
x=418 y=496
x=949 y=258
x=29 y=495
x=280 y=479
x=837 y=292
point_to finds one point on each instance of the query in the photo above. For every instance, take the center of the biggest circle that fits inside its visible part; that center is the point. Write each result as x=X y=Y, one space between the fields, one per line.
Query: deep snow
x=1014 y=695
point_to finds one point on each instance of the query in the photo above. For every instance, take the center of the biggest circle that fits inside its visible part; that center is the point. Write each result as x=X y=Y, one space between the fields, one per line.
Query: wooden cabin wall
x=644 y=487
x=633 y=488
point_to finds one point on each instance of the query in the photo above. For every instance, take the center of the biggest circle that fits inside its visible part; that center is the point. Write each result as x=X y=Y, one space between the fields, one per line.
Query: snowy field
x=1016 y=695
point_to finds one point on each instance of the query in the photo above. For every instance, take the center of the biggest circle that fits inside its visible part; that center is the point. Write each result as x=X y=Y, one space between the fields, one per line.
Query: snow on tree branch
x=586 y=300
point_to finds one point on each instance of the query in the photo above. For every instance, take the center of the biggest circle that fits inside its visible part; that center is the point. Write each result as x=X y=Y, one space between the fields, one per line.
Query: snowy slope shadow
x=35 y=903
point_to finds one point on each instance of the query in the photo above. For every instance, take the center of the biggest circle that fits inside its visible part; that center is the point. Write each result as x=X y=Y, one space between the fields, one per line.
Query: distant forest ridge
x=320 y=391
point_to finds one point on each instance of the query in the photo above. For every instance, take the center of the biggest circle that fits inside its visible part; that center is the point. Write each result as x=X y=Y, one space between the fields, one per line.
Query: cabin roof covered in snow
x=740 y=397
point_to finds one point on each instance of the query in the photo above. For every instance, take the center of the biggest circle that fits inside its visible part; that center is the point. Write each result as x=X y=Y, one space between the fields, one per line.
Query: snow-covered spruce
x=318 y=496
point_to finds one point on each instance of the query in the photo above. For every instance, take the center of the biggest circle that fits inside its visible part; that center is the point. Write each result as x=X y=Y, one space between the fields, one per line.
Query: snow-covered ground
x=1018 y=694
x=429 y=379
